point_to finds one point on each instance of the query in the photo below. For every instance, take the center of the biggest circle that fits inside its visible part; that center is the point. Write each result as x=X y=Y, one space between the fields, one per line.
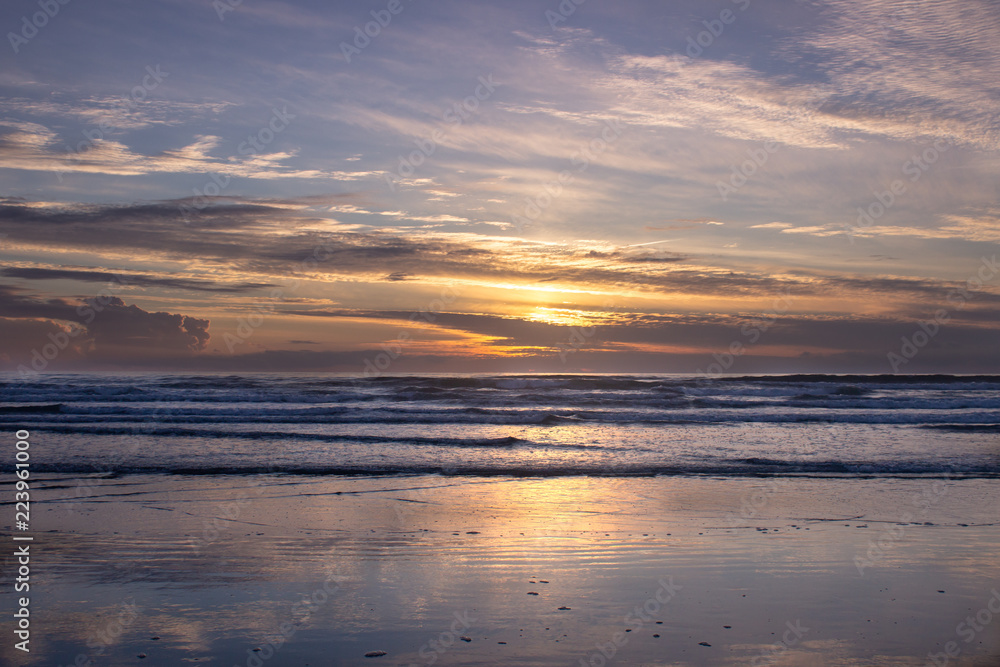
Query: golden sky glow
x=491 y=187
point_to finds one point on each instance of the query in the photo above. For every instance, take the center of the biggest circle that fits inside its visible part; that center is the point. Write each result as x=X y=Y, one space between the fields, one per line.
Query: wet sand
x=281 y=570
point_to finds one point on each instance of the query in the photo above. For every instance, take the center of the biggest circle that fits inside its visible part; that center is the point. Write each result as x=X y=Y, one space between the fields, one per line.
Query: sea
x=513 y=425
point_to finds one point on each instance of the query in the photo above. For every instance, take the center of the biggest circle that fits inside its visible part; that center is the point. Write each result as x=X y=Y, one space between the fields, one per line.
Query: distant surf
x=545 y=425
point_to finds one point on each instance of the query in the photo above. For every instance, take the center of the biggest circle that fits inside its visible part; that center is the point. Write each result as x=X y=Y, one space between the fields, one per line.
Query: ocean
x=513 y=425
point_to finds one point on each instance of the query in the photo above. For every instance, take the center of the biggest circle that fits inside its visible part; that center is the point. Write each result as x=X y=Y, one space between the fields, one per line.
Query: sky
x=397 y=186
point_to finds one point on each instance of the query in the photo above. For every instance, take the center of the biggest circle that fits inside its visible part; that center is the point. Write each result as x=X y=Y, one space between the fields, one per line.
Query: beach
x=294 y=570
x=479 y=520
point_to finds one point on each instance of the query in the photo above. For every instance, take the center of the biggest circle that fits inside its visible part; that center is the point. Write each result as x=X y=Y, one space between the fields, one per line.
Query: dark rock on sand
x=375 y=654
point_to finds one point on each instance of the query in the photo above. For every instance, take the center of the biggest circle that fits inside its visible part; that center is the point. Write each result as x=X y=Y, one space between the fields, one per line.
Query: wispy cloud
x=33 y=147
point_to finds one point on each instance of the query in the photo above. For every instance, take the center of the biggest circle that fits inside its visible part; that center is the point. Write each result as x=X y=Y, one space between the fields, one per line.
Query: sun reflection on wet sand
x=532 y=571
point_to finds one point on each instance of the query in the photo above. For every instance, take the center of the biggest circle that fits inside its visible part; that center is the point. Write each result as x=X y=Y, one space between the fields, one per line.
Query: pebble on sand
x=703 y=644
x=564 y=608
x=375 y=654
x=465 y=639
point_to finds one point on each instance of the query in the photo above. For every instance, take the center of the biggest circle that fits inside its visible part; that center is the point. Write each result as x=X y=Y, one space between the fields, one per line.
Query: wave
x=63 y=417
x=30 y=409
x=824 y=469
x=537 y=425
x=280 y=436
x=983 y=428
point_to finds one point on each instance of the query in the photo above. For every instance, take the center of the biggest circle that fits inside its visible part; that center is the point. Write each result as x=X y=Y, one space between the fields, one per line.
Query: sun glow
x=565 y=317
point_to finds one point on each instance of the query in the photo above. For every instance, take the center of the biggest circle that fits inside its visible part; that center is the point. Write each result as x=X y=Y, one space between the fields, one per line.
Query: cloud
x=933 y=65
x=980 y=226
x=21 y=337
x=114 y=114
x=684 y=224
x=15 y=304
x=735 y=100
x=33 y=147
x=129 y=279
x=117 y=325
x=760 y=333
x=98 y=327
x=276 y=241
x=773 y=225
